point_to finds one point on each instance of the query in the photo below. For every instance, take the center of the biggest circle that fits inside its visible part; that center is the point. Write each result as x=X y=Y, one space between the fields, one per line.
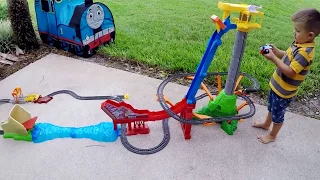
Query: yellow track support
x=248 y=15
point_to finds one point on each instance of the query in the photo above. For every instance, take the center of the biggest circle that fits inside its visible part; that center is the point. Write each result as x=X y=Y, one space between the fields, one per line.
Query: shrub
x=6 y=36
x=23 y=32
x=3 y=12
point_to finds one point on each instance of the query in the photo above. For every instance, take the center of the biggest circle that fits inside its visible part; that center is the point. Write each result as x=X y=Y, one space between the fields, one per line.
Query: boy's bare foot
x=260 y=125
x=266 y=139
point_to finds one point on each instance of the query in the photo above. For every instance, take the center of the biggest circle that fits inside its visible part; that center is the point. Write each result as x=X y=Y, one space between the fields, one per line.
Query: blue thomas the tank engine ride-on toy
x=77 y=26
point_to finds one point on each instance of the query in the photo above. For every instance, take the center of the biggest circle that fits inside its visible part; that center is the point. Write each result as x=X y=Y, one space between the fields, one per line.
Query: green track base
x=223 y=105
x=229 y=128
x=19 y=137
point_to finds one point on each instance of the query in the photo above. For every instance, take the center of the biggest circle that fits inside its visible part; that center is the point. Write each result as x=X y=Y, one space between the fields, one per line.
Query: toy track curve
x=159 y=147
x=165 y=140
x=165 y=106
x=73 y=94
x=76 y=96
x=4 y=101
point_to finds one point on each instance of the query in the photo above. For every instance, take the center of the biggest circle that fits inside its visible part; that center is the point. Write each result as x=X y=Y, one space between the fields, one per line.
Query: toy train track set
x=77 y=26
x=129 y=121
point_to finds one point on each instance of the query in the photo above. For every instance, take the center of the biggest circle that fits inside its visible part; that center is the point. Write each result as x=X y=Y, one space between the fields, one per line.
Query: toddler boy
x=292 y=67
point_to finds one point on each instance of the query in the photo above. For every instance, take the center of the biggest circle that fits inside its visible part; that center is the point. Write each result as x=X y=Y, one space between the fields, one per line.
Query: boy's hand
x=274 y=48
x=270 y=56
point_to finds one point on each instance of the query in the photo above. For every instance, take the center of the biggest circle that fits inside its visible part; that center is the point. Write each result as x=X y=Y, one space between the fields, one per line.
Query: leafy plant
x=21 y=23
x=6 y=36
x=3 y=12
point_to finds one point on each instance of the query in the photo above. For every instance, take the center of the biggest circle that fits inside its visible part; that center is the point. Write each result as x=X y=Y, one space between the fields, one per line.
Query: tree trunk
x=21 y=23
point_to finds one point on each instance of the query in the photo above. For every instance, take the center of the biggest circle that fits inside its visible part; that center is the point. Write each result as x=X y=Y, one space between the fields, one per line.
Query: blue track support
x=214 y=43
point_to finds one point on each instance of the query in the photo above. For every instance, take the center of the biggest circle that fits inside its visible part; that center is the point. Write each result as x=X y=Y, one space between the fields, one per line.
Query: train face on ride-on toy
x=77 y=26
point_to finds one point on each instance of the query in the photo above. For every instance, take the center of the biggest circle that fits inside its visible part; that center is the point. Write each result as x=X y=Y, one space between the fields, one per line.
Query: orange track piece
x=204 y=87
x=201 y=116
x=218 y=21
x=219 y=83
x=238 y=81
x=242 y=105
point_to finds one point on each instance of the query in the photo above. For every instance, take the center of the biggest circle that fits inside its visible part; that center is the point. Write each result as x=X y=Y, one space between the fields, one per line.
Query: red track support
x=187 y=114
x=139 y=127
x=121 y=113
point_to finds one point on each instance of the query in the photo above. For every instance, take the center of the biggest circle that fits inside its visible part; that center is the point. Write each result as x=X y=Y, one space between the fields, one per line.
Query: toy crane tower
x=225 y=103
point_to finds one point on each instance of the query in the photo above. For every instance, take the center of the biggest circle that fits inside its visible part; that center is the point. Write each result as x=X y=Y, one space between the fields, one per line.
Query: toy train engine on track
x=77 y=26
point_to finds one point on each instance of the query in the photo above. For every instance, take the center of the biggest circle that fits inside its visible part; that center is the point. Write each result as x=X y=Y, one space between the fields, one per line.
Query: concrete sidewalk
x=210 y=154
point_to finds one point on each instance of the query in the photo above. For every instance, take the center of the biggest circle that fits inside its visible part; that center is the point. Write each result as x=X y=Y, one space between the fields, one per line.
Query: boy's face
x=301 y=34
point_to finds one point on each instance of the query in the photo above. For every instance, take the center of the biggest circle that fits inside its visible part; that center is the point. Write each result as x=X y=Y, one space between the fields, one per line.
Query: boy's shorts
x=277 y=106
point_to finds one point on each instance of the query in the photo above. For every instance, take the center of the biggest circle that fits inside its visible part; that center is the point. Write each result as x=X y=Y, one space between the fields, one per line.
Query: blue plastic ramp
x=214 y=43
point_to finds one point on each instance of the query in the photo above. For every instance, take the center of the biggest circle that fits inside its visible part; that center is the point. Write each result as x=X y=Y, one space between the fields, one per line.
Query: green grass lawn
x=174 y=34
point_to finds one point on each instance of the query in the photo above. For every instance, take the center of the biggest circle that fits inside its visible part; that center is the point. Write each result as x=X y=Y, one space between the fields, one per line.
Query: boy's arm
x=279 y=53
x=285 y=69
x=296 y=66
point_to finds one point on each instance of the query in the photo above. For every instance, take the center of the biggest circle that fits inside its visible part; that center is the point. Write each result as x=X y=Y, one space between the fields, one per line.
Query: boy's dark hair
x=311 y=18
